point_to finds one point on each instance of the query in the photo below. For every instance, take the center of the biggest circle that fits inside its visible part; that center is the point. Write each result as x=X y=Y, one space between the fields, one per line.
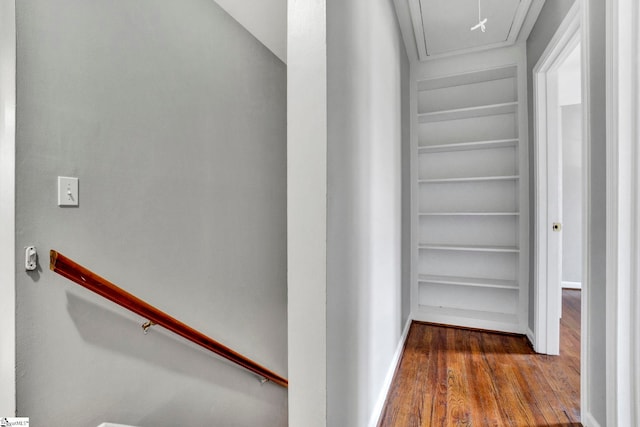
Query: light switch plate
x=67 y=191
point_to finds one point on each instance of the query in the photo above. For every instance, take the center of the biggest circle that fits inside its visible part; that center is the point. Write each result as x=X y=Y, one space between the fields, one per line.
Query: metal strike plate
x=557 y=226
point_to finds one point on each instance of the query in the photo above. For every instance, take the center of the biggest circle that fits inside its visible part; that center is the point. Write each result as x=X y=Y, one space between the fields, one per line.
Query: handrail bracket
x=146 y=325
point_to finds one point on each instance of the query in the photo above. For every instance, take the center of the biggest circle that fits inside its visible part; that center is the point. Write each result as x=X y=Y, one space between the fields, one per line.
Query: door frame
x=547 y=171
x=623 y=212
x=7 y=206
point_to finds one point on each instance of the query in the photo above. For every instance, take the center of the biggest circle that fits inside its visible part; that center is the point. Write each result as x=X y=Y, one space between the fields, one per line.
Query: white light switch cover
x=67 y=191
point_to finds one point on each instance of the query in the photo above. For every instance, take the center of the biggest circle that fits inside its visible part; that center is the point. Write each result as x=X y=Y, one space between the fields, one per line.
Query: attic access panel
x=443 y=26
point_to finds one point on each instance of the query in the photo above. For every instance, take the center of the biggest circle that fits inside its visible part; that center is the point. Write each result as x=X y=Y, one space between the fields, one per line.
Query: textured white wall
x=265 y=19
x=307 y=212
x=365 y=57
x=174 y=118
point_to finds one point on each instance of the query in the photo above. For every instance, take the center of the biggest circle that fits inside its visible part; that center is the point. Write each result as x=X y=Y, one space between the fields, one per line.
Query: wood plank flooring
x=458 y=377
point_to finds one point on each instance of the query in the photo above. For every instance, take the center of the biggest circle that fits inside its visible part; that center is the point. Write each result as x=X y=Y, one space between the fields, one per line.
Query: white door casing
x=548 y=176
x=7 y=205
x=623 y=212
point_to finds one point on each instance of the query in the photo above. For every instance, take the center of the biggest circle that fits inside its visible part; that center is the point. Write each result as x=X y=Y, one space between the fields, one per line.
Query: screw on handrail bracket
x=146 y=325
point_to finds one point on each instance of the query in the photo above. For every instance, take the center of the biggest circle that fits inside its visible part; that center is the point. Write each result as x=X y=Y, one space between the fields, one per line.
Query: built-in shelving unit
x=469 y=203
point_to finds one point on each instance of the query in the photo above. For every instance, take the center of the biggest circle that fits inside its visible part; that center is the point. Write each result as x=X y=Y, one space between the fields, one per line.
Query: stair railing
x=86 y=278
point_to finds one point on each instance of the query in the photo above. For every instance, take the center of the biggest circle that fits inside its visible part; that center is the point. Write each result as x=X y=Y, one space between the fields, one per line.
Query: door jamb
x=547 y=310
x=585 y=328
x=623 y=209
x=7 y=206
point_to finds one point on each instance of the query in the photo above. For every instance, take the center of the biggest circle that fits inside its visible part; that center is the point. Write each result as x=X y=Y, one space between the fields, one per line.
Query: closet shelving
x=466 y=281
x=499 y=143
x=468 y=248
x=468 y=213
x=463 y=113
x=468 y=207
x=469 y=179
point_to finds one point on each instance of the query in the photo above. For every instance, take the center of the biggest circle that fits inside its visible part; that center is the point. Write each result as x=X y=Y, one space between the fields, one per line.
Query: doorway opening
x=561 y=177
x=558 y=150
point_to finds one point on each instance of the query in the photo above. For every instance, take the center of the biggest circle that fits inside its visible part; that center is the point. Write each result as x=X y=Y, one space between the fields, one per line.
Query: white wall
x=571 y=122
x=596 y=311
x=406 y=190
x=173 y=117
x=307 y=212
x=366 y=66
x=265 y=19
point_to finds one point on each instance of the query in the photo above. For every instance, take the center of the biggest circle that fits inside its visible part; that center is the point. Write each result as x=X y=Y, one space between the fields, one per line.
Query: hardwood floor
x=459 y=377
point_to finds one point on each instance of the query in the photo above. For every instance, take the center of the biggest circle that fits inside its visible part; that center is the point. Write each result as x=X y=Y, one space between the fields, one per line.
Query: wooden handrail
x=86 y=278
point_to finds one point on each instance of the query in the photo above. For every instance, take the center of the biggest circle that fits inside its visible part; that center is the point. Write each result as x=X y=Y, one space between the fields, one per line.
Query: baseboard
x=589 y=421
x=571 y=285
x=382 y=398
x=531 y=337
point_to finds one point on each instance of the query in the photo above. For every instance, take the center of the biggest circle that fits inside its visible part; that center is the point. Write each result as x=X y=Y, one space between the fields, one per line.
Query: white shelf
x=454 y=316
x=463 y=113
x=468 y=281
x=468 y=78
x=471 y=145
x=469 y=179
x=469 y=214
x=468 y=248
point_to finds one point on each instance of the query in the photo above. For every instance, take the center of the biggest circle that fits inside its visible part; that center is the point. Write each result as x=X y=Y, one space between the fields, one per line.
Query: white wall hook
x=30 y=258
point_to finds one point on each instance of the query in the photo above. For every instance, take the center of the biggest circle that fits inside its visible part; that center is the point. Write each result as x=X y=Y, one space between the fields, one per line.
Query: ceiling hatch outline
x=505 y=33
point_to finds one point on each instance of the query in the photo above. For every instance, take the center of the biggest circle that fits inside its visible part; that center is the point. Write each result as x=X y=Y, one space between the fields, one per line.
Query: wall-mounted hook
x=30 y=258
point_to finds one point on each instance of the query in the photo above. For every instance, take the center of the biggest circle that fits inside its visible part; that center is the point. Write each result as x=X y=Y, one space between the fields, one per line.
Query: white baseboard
x=589 y=421
x=531 y=337
x=571 y=285
x=382 y=398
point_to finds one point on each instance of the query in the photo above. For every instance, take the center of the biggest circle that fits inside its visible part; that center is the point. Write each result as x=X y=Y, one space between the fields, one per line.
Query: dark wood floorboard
x=459 y=377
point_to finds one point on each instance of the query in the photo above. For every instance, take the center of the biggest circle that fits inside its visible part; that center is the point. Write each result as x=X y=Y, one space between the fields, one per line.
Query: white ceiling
x=265 y=19
x=431 y=28
x=435 y=28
